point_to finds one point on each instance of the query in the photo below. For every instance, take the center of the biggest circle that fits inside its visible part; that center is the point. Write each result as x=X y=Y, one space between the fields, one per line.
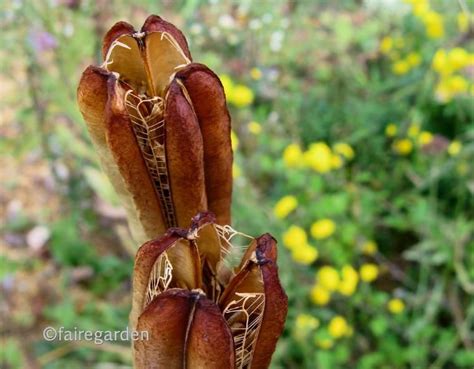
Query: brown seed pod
x=185 y=330
x=161 y=128
x=250 y=301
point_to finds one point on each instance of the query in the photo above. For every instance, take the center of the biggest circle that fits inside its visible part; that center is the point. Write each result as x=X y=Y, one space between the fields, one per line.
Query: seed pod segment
x=251 y=302
x=156 y=133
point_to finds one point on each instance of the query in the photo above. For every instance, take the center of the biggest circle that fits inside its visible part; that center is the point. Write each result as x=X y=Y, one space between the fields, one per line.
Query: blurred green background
x=353 y=131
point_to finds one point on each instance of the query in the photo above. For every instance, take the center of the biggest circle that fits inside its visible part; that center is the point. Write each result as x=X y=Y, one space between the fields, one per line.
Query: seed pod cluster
x=161 y=127
x=200 y=311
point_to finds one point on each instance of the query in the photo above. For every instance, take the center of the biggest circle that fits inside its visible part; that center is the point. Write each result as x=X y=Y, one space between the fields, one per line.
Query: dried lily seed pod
x=161 y=127
x=245 y=301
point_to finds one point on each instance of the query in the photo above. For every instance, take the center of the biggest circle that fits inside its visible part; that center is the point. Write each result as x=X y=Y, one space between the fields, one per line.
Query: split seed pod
x=200 y=312
x=161 y=127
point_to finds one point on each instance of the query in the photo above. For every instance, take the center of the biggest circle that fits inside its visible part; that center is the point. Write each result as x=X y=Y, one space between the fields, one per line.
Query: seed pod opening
x=173 y=136
x=250 y=300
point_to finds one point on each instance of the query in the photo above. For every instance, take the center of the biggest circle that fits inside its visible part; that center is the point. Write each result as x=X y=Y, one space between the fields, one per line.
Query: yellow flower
x=254 y=127
x=323 y=228
x=236 y=171
x=443 y=92
x=413 y=130
x=306 y=322
x=293 y=156
x=434 y=24
x=336 y=161
x=386 y=45
x=318 y=157
x=391 y=130
x=454 y=148
x=304 y=254
x=400 y=67
x=440 y=62
x=344 y=149
x=294 y=237
x=463 y=22
x=227 y=84
x=285 y=206
x=320 y=295
x=328 y=278
x=234 y=140
x=255 y=73
x=241 y=96
x=451 y=86
x=338 y=327
x=349 y=281
x=369 y=248
x=403 y=146
x=425 y=138
x=414 y=59
x=369 y=272
x=396 y=306
x=420 y=9
x=324 y=343
x=458 y=58
x=457 y=85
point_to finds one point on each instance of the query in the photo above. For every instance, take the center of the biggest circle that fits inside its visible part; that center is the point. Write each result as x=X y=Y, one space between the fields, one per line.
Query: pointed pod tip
x=266 y=250
x=155 y=23
x=118 y=29
x=202 y=218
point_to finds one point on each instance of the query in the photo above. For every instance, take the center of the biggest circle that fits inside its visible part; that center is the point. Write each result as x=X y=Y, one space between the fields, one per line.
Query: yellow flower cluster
x=236 y=94
x=254 y=128
x=463 y=21
x=293 y=156
x=404 y=146
x=433 y=21
x=255 y=73
x=285 y=206
x=329 y=280
x=295 y=237
x=296 y=241
x=338 y=327
x=391 y=130
x=305 y=321
x=396 y=306
x=324 y=342
x=391 y=45
x=369 y=272
x=305 y=254
x=323 y=228
x=403 y=66
x=349 y=281
x=447 y=64
x=319 y=156
x=304 y=324
x=369 y=248
x=454 y=148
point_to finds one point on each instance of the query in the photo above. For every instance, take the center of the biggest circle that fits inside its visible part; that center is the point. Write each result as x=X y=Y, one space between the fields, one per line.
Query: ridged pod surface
x=244 y=302
x=161 y=128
